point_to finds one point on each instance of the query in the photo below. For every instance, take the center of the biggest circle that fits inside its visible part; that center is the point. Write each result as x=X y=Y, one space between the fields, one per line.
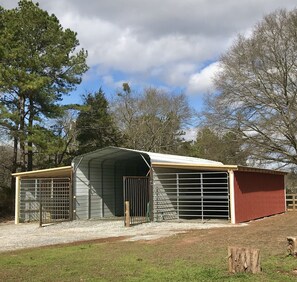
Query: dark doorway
x=136 y=192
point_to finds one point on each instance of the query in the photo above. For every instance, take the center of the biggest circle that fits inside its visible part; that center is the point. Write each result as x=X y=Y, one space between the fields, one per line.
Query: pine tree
x=95 y=125
x=39 y=62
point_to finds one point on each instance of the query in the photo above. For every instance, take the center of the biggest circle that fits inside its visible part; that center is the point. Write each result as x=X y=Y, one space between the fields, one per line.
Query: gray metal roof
x=121 y=153
x=167 y=158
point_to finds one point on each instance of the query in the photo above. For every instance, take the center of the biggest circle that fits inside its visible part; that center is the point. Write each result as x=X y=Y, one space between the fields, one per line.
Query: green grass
x=199 y=255
x=119 y=261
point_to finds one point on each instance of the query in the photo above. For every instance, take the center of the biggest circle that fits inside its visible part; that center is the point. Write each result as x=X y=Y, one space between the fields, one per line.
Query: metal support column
x=177 y=195
x=202 y=207
x=17 y=200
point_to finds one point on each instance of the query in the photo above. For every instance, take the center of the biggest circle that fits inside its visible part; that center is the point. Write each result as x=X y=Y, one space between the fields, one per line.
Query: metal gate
x=46 y=200
x=136 y=199
x=203 y=195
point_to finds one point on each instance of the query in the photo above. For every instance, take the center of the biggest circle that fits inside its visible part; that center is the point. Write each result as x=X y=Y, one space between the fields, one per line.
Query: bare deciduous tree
x=257 y=88
x=153 y=120
x=226 y=148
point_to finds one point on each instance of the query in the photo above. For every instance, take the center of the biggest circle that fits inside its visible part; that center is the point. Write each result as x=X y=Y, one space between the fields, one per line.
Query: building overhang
x=216 y=167
x=64 y=171
x=194 y=166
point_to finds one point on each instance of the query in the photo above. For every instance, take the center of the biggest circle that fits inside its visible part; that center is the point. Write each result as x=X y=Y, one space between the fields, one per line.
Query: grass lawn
x=199 y=255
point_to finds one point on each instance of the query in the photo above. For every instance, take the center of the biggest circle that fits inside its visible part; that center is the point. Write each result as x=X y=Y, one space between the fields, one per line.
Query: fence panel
x=291 y=202
x=195 y=195
x=46 y=200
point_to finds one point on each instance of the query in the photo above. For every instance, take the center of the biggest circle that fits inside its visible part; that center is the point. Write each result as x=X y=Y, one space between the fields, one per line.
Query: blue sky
x=171 y=44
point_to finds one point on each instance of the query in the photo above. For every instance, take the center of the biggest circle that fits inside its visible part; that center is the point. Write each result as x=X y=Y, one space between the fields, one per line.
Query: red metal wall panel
x=258 y=195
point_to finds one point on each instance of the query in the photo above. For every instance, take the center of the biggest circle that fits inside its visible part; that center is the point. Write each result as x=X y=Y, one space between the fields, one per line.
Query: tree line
x=249 y=119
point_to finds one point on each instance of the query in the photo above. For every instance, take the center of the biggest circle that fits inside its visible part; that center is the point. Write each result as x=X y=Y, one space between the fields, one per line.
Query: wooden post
x=127 y=214
x=292 y=246
x=243 y=260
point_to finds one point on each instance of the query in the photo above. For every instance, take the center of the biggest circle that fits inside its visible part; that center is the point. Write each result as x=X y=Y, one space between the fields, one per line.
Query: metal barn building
x=158 y=187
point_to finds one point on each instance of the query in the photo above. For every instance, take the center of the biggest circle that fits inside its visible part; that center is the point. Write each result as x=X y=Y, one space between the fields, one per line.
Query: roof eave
x=44 y=172
x=217 y=167
x=195 y=166
x=261 y=170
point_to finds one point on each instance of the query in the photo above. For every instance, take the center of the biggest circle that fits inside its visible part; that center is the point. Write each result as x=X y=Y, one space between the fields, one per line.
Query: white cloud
x=168 y=40
x=191 y=134
x=109 y=80
x=178 y=74
x=202 y=82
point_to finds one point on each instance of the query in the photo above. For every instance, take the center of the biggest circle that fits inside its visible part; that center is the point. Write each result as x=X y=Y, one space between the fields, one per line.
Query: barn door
x=136 y=195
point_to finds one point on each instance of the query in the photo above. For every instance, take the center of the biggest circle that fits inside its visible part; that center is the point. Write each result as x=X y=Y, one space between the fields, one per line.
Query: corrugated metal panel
x=95 y=204
x=81 y=207
x=166 y=158
x=81 y=179
x=81 y=191
x=163 y=159
x=118 y=153
x=258 y=195
x=108 y=190
x=120 y=171
x=162 y=202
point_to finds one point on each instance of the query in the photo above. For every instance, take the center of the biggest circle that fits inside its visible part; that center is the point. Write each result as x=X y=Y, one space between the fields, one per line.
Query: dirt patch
x=29 y=235
x=269 y=234
x=7 y=219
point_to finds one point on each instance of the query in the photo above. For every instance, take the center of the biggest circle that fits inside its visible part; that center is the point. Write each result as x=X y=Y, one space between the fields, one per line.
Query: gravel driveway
x=28 y=235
